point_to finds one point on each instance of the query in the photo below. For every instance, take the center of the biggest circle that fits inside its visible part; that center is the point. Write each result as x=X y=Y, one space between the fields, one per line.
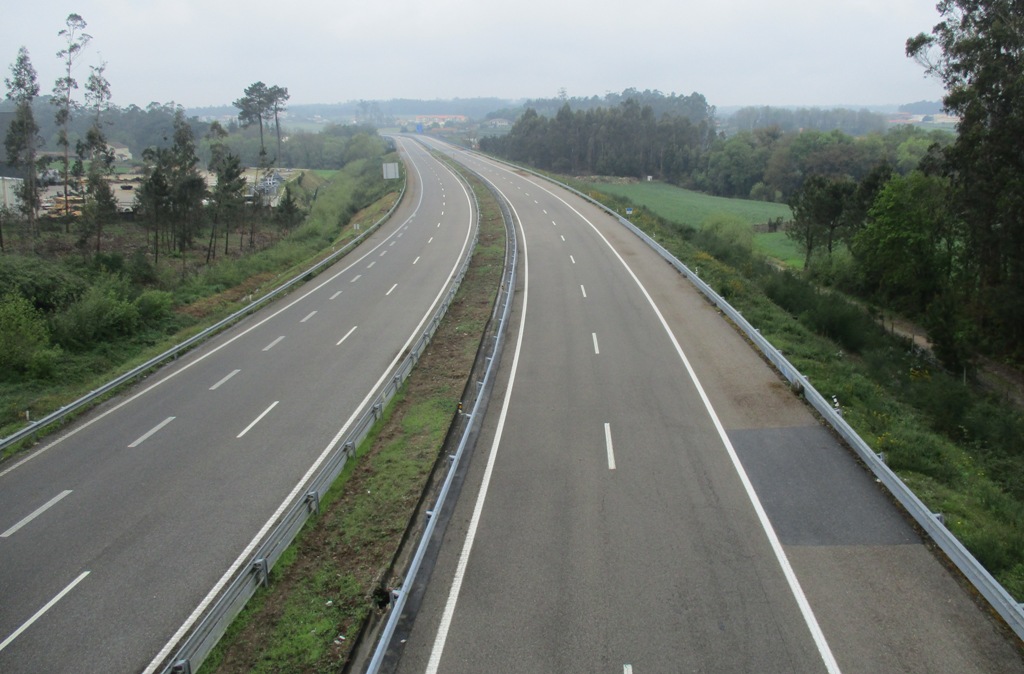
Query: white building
x=8 y=195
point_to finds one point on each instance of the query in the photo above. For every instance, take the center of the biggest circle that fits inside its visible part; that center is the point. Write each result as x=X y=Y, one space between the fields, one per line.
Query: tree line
x=924 y=222
x=766 y=163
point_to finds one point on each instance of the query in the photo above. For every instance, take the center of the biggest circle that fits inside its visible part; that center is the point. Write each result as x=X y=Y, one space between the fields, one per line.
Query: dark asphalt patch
x=814 y=492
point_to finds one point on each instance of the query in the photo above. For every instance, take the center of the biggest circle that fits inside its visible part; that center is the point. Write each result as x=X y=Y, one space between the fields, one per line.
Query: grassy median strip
x=328 y=583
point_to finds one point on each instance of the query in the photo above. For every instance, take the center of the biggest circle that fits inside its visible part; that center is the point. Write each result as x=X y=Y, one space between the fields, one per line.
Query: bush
x=48 y=285
x=154 y=307
x=845 y=323
x=23 y=334
x=103 y=313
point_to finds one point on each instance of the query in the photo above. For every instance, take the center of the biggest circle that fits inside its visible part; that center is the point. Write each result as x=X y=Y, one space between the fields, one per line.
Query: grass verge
x=199 y=302
x=328 y=583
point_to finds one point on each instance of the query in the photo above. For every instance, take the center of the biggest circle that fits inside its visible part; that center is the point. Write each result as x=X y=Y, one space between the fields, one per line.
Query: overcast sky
x=735 y=52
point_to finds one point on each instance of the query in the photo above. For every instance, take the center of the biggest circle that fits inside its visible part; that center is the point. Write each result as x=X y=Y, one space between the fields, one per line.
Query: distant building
x=8 y=195
x=120 y=151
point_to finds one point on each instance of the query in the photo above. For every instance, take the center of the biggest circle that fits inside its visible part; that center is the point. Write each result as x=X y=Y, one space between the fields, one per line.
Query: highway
x=647 y=495
x=114 y=533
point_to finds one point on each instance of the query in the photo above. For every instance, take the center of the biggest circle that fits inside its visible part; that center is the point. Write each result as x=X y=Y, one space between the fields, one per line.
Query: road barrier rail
x=932 y=523
x=474 y=418
x=197 y=644
x=39 y=426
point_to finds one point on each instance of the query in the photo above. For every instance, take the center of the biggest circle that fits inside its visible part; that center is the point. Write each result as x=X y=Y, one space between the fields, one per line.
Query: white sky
x=735 y=52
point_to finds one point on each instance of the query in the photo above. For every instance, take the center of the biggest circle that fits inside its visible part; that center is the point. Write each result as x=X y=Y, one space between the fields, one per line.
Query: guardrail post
x=350 y=448
x=313 y=501
x=376 y=410
x=262 y=570
x=181 y=667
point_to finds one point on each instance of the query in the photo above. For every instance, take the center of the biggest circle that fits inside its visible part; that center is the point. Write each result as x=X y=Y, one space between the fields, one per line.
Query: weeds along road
x=648 y=496
x=111 y=536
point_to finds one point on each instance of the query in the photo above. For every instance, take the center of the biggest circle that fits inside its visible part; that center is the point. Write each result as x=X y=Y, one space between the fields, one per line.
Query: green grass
x=690 y=208
x=328 y=582
x=778 y=246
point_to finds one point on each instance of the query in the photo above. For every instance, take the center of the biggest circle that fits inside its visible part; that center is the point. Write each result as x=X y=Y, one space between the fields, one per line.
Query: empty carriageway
x=648 y=496
x=115 y=534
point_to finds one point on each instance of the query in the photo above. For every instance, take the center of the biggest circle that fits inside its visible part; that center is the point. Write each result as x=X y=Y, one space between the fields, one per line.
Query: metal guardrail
x=198 y=644
x=932 y=523
x=38 y=426
x=475 y=416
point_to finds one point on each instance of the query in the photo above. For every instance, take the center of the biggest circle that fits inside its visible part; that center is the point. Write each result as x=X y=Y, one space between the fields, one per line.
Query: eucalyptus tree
x=75 y=41
x=101 y=203
x=22 y=141
x=977 y=51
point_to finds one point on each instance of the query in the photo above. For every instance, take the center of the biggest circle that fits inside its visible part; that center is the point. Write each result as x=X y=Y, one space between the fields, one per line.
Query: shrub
x=104 y=312
x=48 y=285
x=23 y=334
x=154 y=306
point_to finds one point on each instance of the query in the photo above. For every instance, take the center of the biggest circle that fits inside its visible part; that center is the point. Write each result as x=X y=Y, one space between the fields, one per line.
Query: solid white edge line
x=39 y=614
x=810 y=620
x=453 y=594
x=224 y=380
x=36 y=513
x=258 y=419
x=243 y=557
x=347 y=334
x=608 y=445
x=145 y=436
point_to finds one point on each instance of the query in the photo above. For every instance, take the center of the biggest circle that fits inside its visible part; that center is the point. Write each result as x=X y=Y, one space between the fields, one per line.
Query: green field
x=691 y=209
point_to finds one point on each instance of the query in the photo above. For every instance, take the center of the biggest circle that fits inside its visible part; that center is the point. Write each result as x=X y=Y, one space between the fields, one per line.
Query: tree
x=904 y=252
x=276 y=98
x=75 y=42
x=22 y=141
x=253 y=108
x=154 y=196
x=101 y=206
x=187 y=186
x=229 y=194
x=977 y=51
x=288 y=213
x=818 y=207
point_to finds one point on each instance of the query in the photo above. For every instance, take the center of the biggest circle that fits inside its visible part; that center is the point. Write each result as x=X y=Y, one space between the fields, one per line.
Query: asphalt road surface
x=648 y=496
x=113 y=534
